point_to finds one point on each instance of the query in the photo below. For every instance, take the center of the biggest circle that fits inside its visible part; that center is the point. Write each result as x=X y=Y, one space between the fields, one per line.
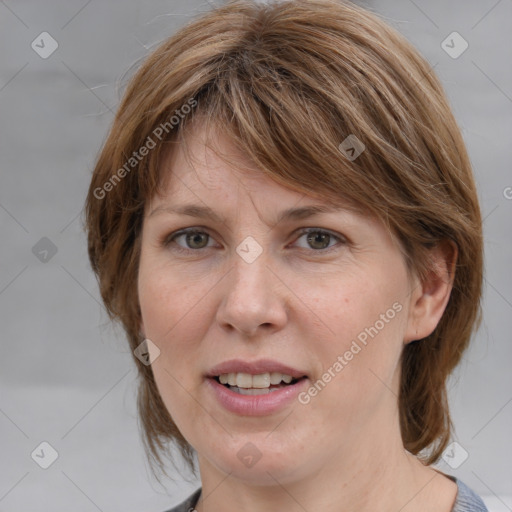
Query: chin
x=261 y=474
x=263 y=466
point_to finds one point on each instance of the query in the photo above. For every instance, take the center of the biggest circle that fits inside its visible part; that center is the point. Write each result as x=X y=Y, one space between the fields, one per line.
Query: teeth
x=253 y=391
x=275 y=377
x=243 y=380
x=260 y=381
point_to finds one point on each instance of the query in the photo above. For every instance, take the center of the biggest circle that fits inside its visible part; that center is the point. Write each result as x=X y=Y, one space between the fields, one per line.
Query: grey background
x=66 y=375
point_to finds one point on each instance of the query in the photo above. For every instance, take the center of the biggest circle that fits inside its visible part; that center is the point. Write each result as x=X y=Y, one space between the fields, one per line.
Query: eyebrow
x=193 y=210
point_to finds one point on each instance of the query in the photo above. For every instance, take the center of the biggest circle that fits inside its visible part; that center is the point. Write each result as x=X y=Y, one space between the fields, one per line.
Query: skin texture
x=299 y=303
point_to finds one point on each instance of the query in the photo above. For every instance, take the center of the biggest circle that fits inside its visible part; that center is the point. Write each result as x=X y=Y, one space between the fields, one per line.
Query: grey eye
x=318 y=239
x=196 y=239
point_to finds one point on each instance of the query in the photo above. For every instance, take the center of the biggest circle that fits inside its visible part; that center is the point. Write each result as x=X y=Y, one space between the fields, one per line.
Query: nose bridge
x=251 y=299
x=248 y=274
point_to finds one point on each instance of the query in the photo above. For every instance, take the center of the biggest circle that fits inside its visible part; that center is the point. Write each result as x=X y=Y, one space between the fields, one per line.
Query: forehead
x=206 y=176
x=209 y=163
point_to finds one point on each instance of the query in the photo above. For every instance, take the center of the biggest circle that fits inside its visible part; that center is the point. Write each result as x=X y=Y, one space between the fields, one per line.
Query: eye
x=319 y=239
x=194 y=239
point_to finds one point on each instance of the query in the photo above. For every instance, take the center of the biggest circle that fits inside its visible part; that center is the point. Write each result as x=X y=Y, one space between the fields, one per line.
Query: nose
x=253 y=299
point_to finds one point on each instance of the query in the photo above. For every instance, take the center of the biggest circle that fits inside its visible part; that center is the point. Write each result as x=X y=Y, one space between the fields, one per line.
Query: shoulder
x=467 y=500
x=187 y=505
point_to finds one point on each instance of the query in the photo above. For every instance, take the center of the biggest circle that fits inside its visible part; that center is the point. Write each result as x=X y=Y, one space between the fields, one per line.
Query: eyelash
x=168 y=240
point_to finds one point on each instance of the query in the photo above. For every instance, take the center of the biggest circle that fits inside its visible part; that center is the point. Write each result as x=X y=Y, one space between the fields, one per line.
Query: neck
x=372 y=471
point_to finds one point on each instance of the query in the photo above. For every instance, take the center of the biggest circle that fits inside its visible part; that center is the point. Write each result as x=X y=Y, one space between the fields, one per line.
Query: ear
x=430 y=297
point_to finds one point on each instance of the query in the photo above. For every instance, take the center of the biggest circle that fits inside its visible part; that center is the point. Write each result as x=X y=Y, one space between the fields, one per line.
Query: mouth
x=255 y=388
x=256 y=394
x=259 y=384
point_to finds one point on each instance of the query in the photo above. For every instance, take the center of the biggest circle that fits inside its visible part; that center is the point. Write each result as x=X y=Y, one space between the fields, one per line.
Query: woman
x=284 y=220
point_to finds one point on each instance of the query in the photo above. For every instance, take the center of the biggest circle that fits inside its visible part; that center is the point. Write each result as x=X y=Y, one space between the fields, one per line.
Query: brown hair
x=288 y=82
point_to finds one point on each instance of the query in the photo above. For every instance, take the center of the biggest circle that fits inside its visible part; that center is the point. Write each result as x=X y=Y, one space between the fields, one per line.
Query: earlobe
x=430 y=297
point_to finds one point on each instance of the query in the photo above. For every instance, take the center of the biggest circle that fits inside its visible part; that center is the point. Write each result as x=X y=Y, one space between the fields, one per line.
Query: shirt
x=466 y=501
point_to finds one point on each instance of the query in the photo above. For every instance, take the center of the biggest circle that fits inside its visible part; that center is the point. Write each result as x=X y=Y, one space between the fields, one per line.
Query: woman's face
x=332 y=306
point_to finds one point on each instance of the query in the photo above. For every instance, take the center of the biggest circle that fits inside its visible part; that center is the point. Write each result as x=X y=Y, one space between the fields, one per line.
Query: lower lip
x=256 y=405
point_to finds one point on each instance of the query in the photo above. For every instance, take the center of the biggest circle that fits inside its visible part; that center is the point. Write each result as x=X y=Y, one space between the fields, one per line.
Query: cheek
x=171 y=313
x=363 y=322
x=352 y=306
x=175 y=318
x=171 y=305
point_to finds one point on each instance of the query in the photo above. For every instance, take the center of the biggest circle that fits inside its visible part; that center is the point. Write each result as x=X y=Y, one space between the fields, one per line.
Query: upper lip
x=254 y=368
